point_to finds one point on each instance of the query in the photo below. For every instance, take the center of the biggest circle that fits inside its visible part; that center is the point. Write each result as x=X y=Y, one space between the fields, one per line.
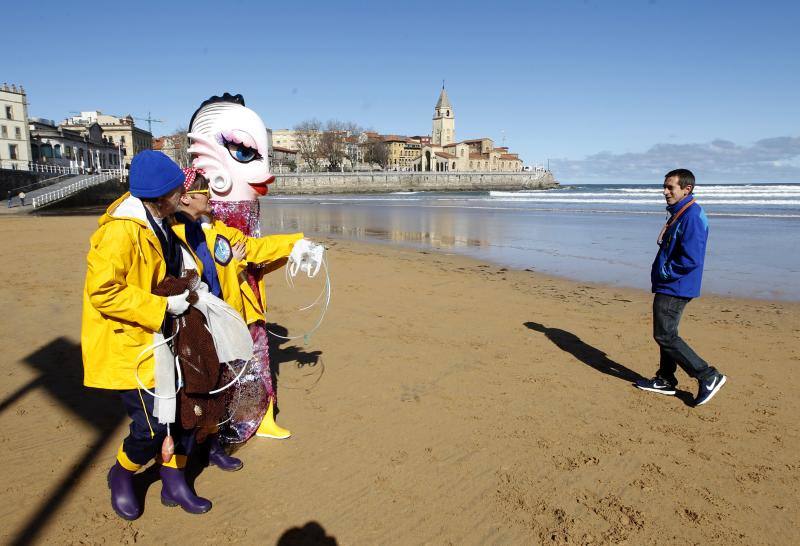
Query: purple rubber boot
x=175 y=492
x=123 y=498
x=218 y=457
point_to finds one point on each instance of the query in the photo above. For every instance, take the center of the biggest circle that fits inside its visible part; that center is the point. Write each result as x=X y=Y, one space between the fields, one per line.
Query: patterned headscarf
x=191 y=174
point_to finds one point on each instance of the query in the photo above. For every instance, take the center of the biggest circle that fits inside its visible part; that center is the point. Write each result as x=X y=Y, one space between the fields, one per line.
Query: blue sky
x=607 y=90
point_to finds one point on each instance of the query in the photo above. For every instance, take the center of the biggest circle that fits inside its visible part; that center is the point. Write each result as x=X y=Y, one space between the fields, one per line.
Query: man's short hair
x=685 y=177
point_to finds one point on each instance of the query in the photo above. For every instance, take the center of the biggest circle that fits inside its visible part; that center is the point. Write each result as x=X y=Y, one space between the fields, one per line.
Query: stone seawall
x=321 y=183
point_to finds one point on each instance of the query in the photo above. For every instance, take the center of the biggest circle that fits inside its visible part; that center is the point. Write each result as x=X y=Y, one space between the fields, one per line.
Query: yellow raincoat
x=120 y=312
x=235 y=290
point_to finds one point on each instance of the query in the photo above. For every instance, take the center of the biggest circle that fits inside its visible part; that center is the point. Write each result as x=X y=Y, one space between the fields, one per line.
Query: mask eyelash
x=239 y=151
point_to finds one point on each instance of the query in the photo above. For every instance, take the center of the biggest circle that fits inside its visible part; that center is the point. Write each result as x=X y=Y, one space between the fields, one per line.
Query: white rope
x=326 y=292
x=234 y=380
x=178 y=368
x=140 y=361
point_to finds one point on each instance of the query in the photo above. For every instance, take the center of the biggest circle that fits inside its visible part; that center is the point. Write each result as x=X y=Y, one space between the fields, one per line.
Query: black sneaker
x=709 y=387
x=661 y=386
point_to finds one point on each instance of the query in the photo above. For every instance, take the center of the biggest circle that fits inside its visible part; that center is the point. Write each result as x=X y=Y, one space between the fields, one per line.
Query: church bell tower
x=444 y=121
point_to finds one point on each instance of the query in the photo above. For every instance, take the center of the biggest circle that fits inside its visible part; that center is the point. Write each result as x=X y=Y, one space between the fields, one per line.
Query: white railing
x=55 y=169
x=66 y=191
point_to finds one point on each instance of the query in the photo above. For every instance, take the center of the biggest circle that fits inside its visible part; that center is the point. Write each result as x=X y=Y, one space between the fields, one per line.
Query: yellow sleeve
x=262 y=249
x=110 y=258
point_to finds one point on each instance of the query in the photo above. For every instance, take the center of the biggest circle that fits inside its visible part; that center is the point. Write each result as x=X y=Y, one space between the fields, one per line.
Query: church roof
x=443 y=102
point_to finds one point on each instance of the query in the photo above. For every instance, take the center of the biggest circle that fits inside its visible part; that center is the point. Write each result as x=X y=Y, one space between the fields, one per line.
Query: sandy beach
x=443 y=401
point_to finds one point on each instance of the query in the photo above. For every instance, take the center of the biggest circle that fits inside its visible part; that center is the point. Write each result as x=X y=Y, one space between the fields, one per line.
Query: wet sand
x=443 y=401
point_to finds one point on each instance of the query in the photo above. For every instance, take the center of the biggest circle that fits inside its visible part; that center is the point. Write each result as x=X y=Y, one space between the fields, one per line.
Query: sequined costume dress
x=249 y=399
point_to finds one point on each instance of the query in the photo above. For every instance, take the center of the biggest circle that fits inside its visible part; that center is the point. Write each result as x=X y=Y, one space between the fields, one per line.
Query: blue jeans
x=667 y=311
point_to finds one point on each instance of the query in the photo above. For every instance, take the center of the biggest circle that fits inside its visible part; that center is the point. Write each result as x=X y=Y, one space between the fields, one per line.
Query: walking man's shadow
x=593 y=357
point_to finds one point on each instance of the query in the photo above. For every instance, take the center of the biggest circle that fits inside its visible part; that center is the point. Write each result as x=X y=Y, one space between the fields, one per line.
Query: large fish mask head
x=229 y=143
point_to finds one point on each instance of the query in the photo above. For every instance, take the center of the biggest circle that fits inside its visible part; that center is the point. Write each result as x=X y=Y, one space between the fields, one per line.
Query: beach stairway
x=66 y=187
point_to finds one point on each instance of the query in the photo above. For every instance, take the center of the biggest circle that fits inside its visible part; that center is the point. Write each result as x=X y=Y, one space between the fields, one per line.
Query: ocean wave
x=645 y=201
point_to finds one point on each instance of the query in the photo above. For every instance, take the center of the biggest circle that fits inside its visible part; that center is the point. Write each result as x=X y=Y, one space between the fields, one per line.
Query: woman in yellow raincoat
x=131 y=252
x=225 y=253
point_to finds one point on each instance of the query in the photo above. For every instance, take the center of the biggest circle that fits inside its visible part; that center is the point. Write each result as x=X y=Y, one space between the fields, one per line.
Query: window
x=12 y=151
x=68 y=152
x=9 y=112
x=57 y=151
x=3 y=131
x=18 y=133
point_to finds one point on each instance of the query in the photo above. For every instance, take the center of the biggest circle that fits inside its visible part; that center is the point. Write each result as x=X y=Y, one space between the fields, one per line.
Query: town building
x=395 y=145
x=402 y=151
x=81 y=151
x=174 y=146
x=119 y=131
x=15 y=141
x=444 y=121
x=284 y=138
x=443 y=154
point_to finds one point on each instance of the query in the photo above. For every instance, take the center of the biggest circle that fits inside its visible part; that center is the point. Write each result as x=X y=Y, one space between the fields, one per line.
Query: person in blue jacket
x=676 y=276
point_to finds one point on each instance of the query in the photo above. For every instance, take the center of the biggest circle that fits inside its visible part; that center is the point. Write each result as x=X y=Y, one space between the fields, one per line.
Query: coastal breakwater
x=382 y=182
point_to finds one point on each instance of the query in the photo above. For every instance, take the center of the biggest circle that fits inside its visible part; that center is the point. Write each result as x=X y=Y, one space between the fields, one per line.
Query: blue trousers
x=146 y=434
x=667 y=312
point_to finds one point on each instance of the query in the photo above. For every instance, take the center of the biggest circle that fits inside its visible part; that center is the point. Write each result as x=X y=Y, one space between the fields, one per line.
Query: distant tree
x=176 y=146
x=335 y=143
x=309 y=137
x=352 y=147
x=332 y=144
x=376 y=152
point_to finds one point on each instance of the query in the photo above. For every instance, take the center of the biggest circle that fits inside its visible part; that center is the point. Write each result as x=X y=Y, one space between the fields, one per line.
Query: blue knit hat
x=153 y=174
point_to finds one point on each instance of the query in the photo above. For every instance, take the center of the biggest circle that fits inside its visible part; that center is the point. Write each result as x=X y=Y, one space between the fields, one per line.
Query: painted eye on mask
x=241 y=153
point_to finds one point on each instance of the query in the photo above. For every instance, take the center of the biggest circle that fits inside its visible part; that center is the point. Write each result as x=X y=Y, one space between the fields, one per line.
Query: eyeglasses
x=199 y=192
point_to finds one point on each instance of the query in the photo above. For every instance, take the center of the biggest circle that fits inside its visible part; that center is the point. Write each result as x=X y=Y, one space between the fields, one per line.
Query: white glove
x=306 y=256
x=177 y=305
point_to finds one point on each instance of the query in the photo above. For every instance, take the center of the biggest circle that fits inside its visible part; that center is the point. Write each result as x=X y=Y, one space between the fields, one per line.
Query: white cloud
x=769 y=160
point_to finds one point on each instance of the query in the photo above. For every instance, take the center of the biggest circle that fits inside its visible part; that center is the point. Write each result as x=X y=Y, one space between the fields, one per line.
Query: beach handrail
x=61 y=193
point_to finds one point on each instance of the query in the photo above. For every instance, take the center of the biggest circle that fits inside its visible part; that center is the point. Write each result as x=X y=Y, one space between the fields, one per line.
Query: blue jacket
x=678 y=267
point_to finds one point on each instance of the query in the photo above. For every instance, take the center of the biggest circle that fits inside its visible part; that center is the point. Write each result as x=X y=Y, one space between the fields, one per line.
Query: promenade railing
x=70 y=189
x=54 y=169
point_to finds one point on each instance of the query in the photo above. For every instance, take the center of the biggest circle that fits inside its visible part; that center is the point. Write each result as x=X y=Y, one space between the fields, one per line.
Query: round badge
x=222 y=250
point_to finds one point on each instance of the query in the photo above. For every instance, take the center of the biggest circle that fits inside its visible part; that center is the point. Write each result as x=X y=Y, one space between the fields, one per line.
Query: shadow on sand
x=61 y=374
x=310 y=534
x=285 y=352
x=595 y=358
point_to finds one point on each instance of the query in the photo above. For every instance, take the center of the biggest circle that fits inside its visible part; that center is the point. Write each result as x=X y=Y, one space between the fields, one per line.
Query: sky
x=605 y=91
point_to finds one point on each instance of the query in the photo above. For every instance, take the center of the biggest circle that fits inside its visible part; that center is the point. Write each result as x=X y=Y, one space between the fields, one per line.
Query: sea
x=597 y=233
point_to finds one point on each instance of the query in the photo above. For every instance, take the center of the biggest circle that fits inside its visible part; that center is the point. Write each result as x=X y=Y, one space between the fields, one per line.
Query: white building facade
x=15 y=141
x=82 y=152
